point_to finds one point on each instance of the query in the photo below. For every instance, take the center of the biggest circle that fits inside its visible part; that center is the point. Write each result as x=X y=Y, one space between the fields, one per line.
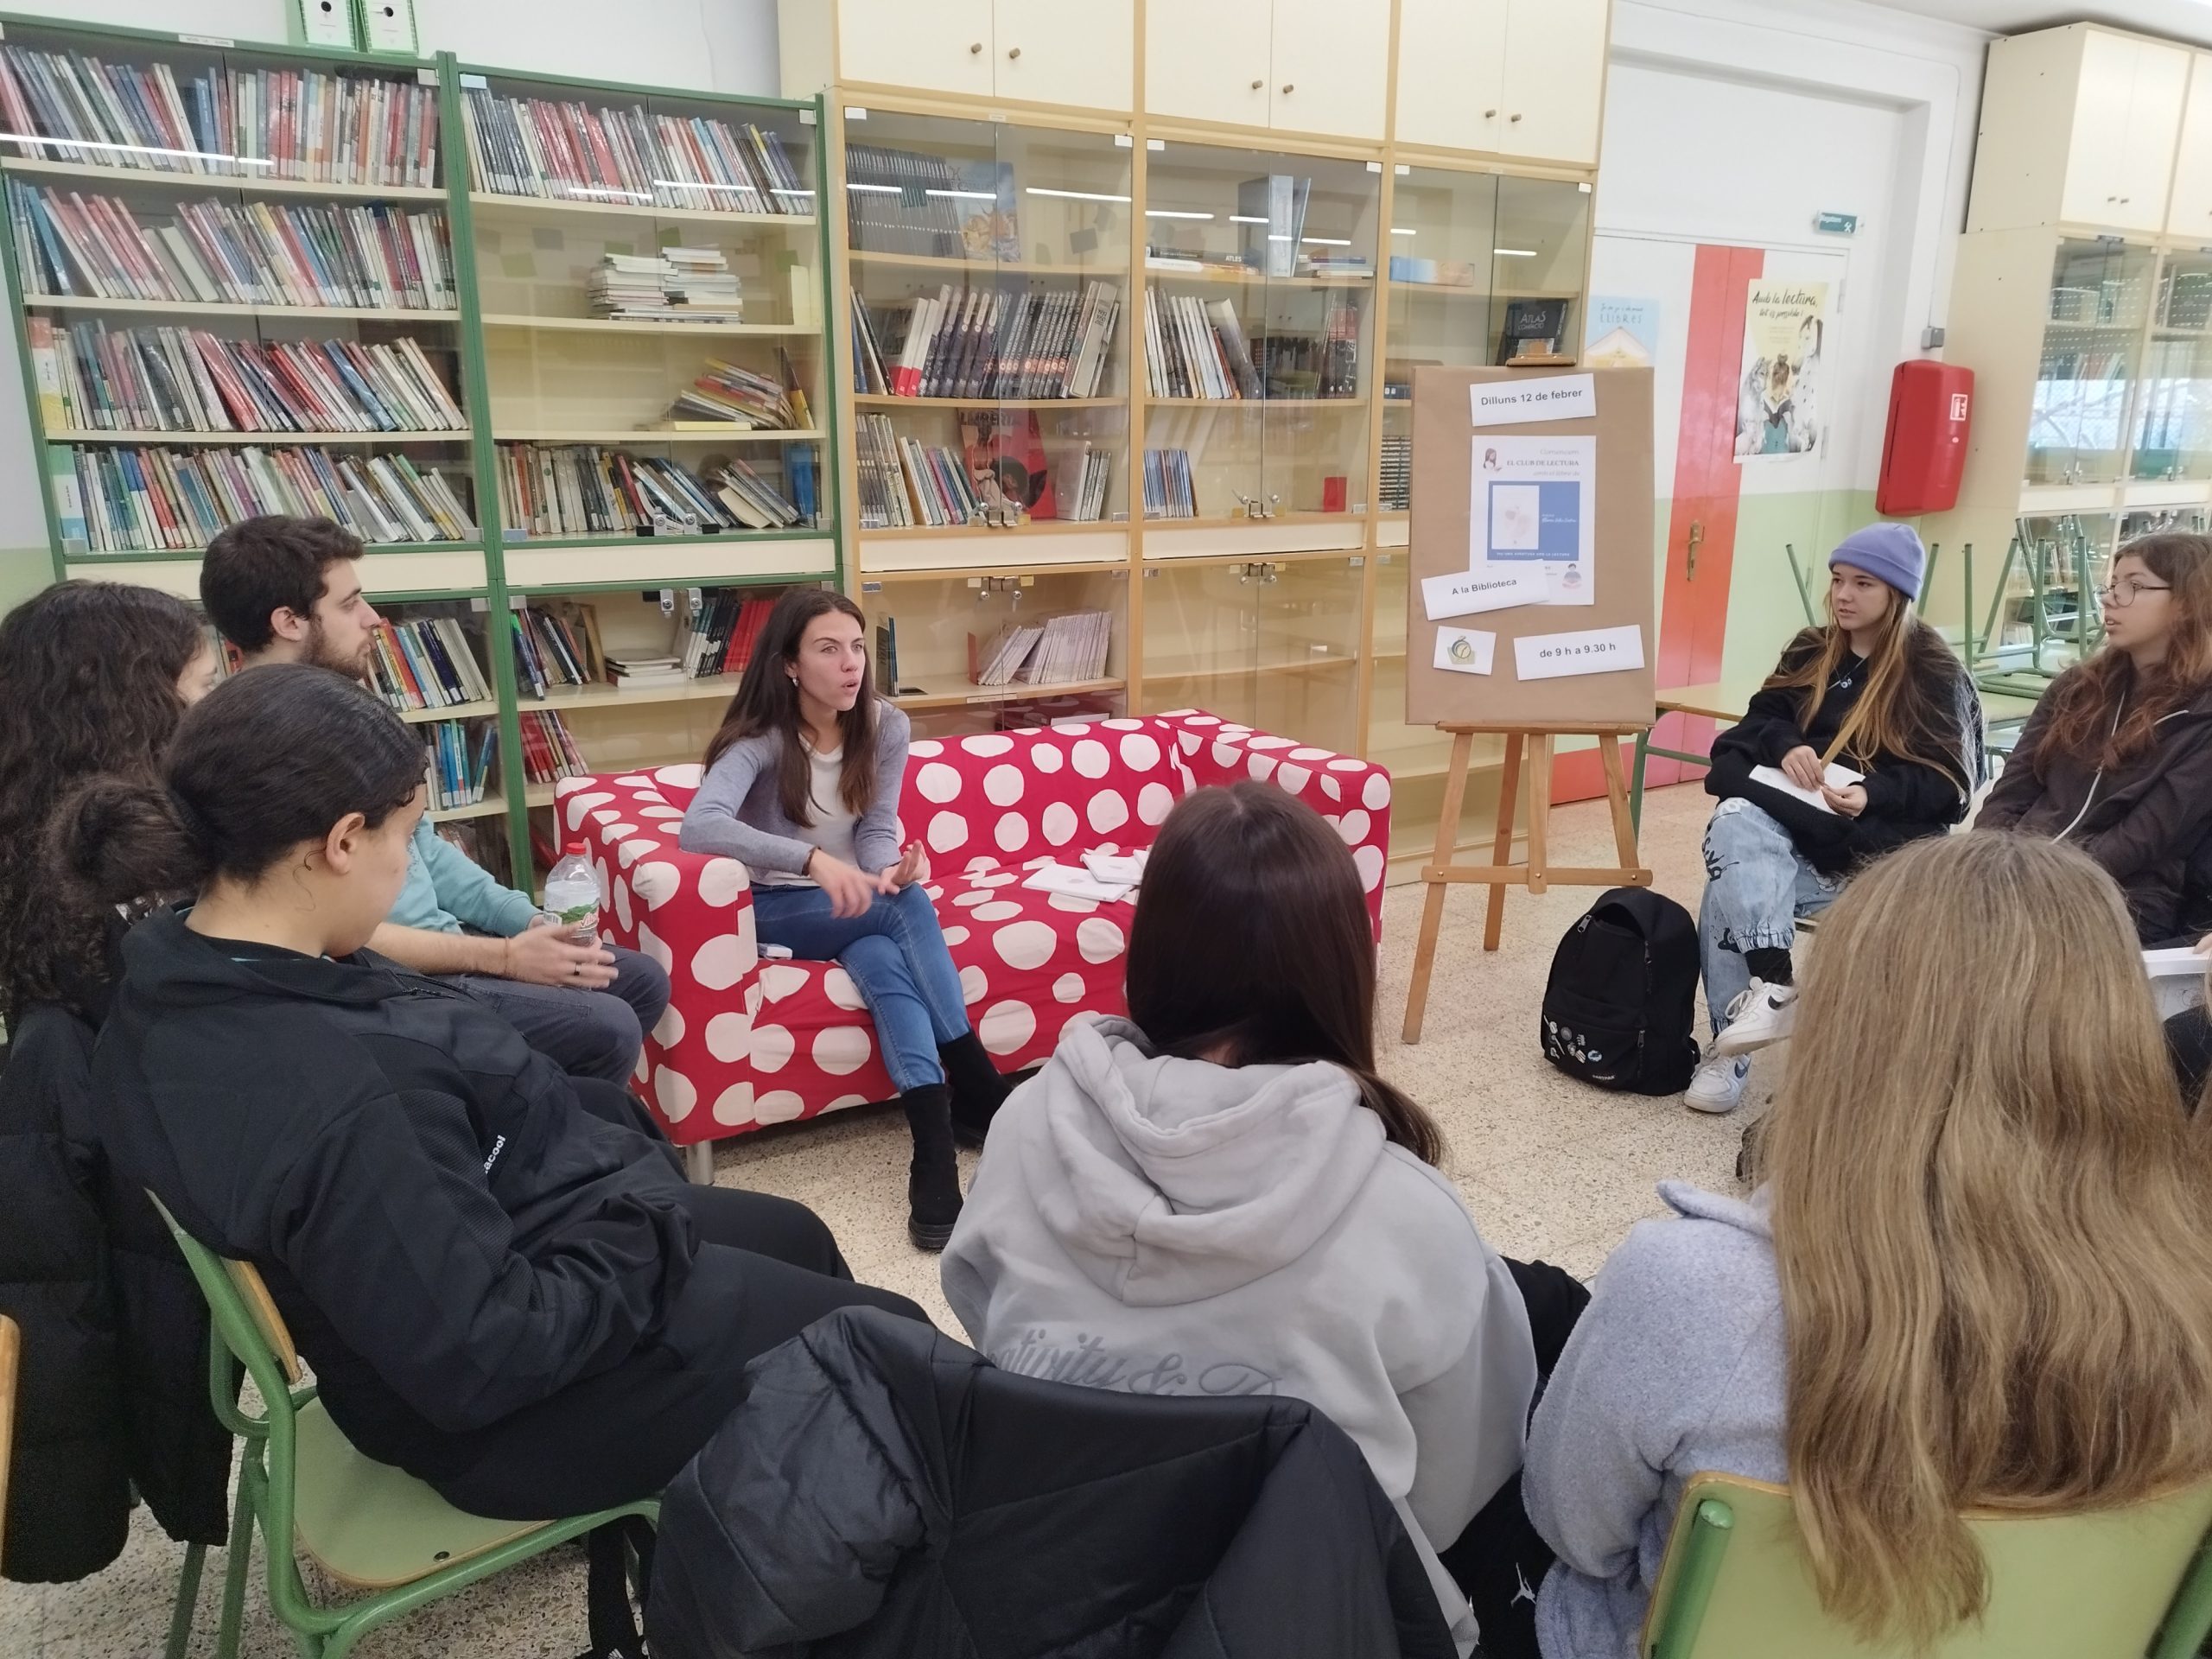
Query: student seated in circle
x=1219 y=1195
x=503 y=1281
x=1978 y=1272
x=1875 y=691
x=801 y=785
x=2117 y=757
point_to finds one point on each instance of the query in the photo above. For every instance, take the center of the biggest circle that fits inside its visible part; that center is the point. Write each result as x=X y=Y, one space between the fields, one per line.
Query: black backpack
x=1622 y=999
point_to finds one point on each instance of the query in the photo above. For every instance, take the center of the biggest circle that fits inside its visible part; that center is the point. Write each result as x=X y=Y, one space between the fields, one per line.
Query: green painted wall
x=24 y=571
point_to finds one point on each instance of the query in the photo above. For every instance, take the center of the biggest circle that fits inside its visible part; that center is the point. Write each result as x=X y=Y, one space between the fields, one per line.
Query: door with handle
x=1049 y=52
x=945 y=45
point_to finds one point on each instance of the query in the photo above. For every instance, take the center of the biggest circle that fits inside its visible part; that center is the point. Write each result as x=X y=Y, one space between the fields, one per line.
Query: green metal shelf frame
x=445 y=71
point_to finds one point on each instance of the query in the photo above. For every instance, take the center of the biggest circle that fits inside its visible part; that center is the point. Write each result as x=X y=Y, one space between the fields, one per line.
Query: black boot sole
x=924 y=1236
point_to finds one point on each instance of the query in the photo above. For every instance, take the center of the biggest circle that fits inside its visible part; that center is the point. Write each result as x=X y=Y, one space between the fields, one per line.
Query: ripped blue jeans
x=1757 y=884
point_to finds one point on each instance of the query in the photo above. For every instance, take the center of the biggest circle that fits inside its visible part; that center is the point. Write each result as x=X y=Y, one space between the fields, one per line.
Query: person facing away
x=1219 y=1196
x=503 y=1281
x=1876 y=691
x=1978 y=1271
x=2117 y=757
x=802 y=787
x=289 y=590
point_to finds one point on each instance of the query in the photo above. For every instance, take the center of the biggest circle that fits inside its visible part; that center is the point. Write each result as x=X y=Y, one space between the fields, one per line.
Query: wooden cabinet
x=1296 y=66
x=1522 y=78
x=1049 y=52
x=2190 y=212
x=1210 y=59
x=944 y=46
x=2127 y=115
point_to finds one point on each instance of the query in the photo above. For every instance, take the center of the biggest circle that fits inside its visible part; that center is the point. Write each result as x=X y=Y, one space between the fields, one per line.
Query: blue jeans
x=1757 y=884
x=586 y=1033
x=895 y=952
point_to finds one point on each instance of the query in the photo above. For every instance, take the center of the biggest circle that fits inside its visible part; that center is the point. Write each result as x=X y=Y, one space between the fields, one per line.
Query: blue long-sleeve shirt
x=446 y=890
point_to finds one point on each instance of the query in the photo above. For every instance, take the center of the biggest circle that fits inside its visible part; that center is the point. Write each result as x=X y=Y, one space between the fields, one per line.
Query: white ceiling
x=2181 y=20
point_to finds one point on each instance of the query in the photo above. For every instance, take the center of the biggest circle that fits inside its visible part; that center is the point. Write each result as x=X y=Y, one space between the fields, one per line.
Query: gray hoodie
x=1168 y=1226
x=1675 y=1367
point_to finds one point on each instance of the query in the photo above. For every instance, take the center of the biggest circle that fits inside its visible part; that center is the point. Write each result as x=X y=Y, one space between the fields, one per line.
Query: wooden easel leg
x=1540 y=811
x=1625 y=824
x=1431 y=909
x=1508 y=790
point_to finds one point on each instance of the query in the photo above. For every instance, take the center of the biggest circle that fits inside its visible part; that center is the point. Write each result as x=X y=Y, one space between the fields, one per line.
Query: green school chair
x=2133 y=1583
x=366 y=1524
x=11 y=1348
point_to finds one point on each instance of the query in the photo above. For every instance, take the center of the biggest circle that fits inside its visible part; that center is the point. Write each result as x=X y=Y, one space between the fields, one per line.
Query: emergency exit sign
x=1836 y=223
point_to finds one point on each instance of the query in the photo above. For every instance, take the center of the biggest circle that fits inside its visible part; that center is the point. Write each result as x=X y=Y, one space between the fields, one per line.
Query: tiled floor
x=1549 y=1168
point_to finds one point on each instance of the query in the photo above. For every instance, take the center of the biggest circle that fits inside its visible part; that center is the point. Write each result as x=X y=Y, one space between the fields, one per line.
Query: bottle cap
x=578 y=848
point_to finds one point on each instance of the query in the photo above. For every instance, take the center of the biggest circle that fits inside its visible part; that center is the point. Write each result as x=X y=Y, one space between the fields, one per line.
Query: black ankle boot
x=933 y=1178
x=978 y=1090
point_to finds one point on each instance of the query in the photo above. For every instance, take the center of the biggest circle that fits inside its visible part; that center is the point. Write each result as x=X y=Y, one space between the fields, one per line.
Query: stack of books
x=457 y=767
x=125 y=501
x=1168 y=492
x=426 y=664
x=977 y=342
x=725 y=395
x=1194 y=349
x=1056 y=650
x=676 y=284
x=231 y=253
x=254 y=123
x=586 y=490
x=549 y=652
x=535 y=147
x=549 y=752
x=91 y=379
x=634 y=671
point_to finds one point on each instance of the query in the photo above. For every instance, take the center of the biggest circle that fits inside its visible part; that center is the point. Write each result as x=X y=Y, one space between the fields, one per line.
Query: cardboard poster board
x=1610 y=588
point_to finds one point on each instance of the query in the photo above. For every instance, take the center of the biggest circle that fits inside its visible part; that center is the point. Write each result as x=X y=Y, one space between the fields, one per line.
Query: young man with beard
x=289 y=590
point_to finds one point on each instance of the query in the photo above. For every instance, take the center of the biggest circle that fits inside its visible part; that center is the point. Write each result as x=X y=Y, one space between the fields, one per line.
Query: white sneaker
x=1719 y=1085
x=1764 y=1014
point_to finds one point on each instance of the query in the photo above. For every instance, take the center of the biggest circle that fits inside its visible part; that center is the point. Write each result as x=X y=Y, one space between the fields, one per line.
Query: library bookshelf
x=436 y=300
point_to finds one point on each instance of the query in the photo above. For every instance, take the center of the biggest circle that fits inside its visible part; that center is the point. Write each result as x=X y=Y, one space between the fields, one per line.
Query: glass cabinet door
x=989 y=265
x=2173 y=420
x=1272 y=644
x=2099 y=301
x=1259 y=287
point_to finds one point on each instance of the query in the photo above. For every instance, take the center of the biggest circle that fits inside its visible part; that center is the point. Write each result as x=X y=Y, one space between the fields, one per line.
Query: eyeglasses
x=2124 y=591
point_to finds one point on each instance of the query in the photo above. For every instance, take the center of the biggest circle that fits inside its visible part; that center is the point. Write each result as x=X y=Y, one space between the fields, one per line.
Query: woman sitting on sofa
x=801 y=785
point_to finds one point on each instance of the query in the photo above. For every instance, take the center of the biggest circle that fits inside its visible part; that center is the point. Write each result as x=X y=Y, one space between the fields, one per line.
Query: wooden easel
x=1531 y=744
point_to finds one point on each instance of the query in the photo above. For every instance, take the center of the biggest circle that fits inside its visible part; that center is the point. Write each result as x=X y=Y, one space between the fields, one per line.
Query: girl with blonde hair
x=1979 y=1271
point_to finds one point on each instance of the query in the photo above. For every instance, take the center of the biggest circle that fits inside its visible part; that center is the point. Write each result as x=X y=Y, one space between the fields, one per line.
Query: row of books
x=310 y=254
x=674 y=285
x=537 y=146
x=881 y=474
x=1093 y=476
x=1053 y=651
x=1168 y=490
x=723 y=633
x=553 y=649
x=979 y=342
x=1194 y=348
x=457 y=762
x=549 y=751
x=94 y=378
x=726 y=395
x=587 y=489
x=119 y=499
x=1396 y=485
x=897 y=202
x=426 y=663
x=937 y=483
x=236 y=121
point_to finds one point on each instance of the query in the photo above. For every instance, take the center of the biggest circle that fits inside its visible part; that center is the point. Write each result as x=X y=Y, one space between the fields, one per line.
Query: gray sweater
x=1675 y=1367
x=737 y=812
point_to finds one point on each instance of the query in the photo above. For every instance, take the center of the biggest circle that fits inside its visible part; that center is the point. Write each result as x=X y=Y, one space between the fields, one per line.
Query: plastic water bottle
x=572 y=896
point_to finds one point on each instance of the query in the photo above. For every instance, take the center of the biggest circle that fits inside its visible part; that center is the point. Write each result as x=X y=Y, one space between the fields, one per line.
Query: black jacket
x=1905 y=799
x=113 y=1392
x=885 y=1491
x=2141 y=822
x=449 y=1235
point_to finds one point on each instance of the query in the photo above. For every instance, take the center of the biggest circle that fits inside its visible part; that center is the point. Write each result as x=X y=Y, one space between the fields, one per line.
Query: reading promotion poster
x=1778 y=407
x=1535 y=506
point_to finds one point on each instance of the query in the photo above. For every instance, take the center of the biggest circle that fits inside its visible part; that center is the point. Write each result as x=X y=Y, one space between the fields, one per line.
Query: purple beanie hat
x=1890 y=551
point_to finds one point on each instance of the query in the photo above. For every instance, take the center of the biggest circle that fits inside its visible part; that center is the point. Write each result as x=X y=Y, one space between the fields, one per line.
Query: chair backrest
x=244 y=1315
x=2100 y=1585
x=11 y=1353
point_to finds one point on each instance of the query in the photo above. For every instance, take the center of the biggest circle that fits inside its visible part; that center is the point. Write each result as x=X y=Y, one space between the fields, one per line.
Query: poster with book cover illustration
x=1533 y=512
x=1778 y=407
x=1004 y=452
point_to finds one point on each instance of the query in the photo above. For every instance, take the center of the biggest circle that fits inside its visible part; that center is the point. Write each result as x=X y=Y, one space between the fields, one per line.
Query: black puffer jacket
x=885 y=1491
x=113 y=1393
x=450 y=1235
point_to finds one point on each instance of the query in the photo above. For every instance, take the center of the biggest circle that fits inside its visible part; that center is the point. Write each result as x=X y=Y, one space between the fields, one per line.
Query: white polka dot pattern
x=777 y=1041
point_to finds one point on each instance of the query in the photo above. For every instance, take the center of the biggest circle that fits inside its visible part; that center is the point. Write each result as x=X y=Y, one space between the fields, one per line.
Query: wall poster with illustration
x=1777 y=400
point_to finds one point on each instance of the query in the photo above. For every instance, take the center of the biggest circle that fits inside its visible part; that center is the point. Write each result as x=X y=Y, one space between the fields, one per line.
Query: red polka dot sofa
x=749 y=1040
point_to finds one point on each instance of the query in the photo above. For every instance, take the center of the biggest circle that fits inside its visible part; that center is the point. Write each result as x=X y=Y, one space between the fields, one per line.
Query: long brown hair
x=1992 y=1222
x=1252 y=935
x=1893 y=715
x=2105 y=711
x=88 y=685
x=766 y=701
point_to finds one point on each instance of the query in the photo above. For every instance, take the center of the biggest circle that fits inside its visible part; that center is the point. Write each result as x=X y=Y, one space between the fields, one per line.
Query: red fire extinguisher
x=1924 y=450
